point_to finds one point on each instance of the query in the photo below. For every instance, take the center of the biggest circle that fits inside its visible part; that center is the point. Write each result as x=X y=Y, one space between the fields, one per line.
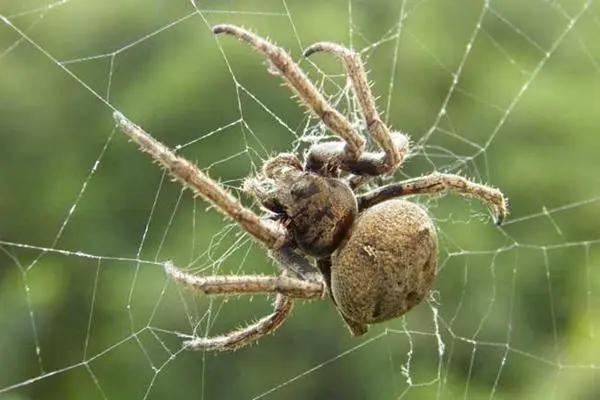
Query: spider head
x=321 y=212
x=318 y=211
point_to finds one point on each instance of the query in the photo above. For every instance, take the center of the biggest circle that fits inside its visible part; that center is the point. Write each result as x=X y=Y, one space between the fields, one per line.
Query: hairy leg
x=248 y=334
x=286 y=288
x=301 y=85
x=271 y=235
x=247 y=284
x=394 y=153
x=437 y=183
x=369 y=164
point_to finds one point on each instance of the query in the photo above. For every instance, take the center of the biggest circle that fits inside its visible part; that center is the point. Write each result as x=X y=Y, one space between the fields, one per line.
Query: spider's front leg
x=395 y=145
x=269 y=234
x=283 y=64
x=323 y=156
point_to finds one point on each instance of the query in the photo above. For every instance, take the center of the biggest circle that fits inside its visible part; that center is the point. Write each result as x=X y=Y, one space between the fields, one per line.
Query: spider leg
x=285 y=287
x=272 y=235
x=233 y=285
x=434 y=184
x=368 y=165
x=395 y=145
x=282 y=62
x=248 y=334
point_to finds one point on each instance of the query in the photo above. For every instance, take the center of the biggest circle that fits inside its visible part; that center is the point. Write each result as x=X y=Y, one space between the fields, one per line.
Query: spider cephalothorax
x=374 y=254
x=317 y=210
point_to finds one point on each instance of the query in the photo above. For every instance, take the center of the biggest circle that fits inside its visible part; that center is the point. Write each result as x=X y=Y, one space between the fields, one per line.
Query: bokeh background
x=85 y=219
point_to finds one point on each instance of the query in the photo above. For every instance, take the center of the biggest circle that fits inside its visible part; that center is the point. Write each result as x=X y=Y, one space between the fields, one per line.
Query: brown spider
x=375 y=254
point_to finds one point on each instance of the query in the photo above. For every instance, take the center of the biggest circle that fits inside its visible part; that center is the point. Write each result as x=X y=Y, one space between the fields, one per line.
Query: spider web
x=506 y=93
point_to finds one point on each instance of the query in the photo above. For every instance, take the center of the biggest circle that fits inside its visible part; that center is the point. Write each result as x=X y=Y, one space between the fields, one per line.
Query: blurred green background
x=85 y=219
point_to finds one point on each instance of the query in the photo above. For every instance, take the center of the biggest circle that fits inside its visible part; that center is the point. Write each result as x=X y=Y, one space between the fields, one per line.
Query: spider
x=371 y=252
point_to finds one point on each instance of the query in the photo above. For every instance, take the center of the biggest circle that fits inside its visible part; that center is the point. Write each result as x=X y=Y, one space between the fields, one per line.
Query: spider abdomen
x=387 y=265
